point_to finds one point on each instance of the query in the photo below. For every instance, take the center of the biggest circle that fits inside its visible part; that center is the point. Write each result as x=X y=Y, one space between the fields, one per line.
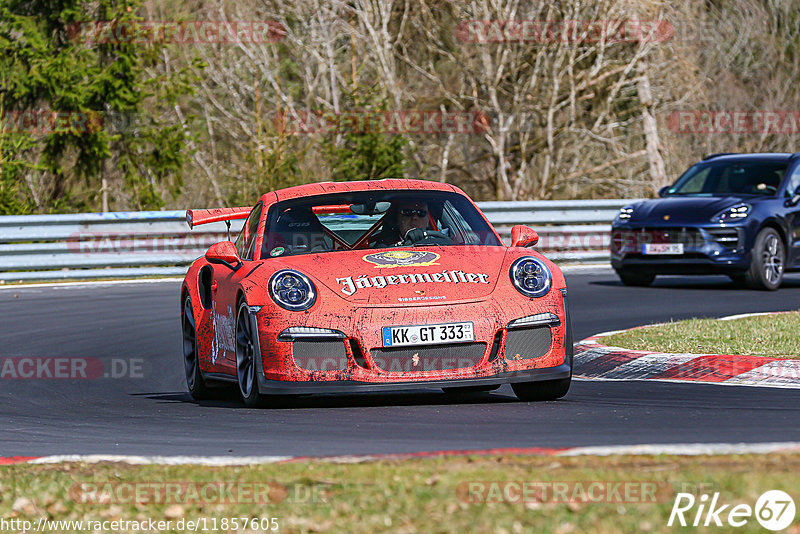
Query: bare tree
x=572 y=114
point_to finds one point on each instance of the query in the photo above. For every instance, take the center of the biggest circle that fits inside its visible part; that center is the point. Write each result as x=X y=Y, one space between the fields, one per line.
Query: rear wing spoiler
x=195 y=217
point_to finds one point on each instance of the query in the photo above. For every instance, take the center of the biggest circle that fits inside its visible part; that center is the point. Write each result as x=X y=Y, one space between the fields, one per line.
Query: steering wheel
x=417 y=237
x=771 y=189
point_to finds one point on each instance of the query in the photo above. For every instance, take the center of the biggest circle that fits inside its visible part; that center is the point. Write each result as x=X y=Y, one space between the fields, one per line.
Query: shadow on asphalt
x=228 y=399
x=700 y=283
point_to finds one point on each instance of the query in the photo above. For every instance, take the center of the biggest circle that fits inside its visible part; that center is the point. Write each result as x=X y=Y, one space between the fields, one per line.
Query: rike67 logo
x=774 y=510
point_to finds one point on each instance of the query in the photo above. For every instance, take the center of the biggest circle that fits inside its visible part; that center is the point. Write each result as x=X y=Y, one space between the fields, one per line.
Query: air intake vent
x=358 y=354
x=527 y=343
x=727 y=237
x=322 y=355
x=437 y=358
x=498 y=340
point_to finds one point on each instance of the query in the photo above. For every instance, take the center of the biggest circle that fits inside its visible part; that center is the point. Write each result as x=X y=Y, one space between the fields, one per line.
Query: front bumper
x=363 y=370
x=708 y=249
x=280 y=387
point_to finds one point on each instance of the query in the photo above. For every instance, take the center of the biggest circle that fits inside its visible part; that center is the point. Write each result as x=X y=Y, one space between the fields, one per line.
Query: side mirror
x=795 y=197
x=522 y=236
x=224 y=253
x=663 y=191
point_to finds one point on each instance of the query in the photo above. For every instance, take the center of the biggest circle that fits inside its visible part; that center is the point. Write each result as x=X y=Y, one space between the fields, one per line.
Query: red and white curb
x=594 y=360
x=676 y=449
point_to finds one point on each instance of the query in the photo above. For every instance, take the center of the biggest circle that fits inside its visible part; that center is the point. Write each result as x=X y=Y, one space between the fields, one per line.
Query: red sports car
x=367 y=286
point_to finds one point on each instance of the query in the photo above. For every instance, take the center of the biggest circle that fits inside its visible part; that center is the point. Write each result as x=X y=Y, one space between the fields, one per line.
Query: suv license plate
x=662 y=248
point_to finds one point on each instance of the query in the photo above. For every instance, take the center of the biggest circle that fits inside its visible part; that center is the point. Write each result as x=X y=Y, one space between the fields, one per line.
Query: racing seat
x=298 y=231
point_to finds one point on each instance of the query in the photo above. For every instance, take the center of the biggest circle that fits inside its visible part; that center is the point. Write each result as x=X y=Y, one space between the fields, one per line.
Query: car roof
x=759 y=156
x=390 y=184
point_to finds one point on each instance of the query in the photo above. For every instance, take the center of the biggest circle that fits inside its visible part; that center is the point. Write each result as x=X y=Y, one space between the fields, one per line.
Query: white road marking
x=94 y=283
x=746 y=315
x=677 y=449
x=686 y=449
x=161 y=460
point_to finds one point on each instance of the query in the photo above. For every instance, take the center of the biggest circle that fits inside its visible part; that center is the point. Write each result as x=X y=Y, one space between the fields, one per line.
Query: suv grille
x=631 y=240
x=689 y=237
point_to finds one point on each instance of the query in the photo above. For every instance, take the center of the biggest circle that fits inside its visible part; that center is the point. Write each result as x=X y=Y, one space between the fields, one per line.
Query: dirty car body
x=321 y=293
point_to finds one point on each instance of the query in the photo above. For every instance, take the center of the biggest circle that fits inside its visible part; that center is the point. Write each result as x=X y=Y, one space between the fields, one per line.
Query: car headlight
x=734 y=213
x=292 y=290
x=531 y=277
x=625 y=214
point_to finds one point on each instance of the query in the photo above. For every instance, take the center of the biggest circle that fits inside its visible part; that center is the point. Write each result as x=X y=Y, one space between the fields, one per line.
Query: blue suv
x=733 y=214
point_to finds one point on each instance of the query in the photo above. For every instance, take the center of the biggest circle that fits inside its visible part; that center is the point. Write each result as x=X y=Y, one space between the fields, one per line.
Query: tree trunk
x=658 y=172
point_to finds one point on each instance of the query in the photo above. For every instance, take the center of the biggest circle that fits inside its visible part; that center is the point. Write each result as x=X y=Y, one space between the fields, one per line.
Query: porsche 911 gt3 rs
x=368 y=286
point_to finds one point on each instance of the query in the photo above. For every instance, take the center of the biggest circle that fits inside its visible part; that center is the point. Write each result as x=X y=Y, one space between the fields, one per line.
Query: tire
x=541 y=391
x=470 y=389
x=198 y=388
x=769 y=259
x=636 y=279
x=246 y=360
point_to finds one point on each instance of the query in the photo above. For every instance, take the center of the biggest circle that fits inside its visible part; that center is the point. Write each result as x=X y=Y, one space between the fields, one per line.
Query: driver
x=408 y=222
x=412 y=215
x=402 y=217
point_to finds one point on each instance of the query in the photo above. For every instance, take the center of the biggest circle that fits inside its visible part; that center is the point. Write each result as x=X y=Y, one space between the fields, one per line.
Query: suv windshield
x=373 y=220
x=731 y=178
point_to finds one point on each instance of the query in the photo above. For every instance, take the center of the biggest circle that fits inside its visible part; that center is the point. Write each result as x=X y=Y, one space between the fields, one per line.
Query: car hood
x=406 y=276
x=683 y=210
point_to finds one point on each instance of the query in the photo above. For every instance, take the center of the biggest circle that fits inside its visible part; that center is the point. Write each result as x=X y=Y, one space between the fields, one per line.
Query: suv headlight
x=531 y=277
x=625 y=214
x=292 y=290
x=734 y=213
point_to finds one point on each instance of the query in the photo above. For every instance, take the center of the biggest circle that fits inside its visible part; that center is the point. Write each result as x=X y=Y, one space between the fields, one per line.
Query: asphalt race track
x=150 y=413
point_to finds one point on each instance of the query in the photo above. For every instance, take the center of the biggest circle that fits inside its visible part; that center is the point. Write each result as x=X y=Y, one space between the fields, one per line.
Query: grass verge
x=417 y=495
x=776 y=336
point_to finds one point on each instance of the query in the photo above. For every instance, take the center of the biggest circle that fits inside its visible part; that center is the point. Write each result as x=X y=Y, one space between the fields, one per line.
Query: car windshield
x=373 y=220
x=723 y=178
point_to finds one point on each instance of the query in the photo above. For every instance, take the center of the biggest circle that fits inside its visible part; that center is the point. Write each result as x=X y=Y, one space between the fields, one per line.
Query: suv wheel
x=769 y=257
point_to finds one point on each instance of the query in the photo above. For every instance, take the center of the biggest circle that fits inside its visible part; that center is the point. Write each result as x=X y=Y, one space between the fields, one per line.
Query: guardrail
x=159 y=243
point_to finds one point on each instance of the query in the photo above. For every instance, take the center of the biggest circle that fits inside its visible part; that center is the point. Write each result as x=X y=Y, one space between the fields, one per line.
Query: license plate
x=662 y=248
x=430 y=334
